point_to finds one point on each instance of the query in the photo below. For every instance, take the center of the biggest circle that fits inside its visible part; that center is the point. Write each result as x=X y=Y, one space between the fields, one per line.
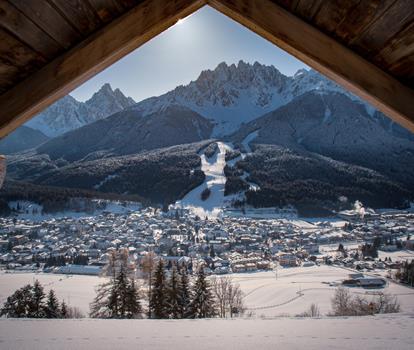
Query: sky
x=178 y=55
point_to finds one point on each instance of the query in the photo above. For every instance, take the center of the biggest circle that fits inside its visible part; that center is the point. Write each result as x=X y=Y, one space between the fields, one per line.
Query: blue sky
x=178 y=55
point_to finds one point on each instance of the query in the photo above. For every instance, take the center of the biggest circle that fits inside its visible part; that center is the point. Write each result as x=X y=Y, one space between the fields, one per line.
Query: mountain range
x=304 y=118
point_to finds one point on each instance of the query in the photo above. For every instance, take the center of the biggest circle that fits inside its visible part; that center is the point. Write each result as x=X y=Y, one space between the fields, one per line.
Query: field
x=291 y=293
x=268 y=324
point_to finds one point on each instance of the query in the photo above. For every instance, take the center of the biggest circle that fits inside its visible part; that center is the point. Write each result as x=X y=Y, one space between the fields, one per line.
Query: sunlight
x=181 y=21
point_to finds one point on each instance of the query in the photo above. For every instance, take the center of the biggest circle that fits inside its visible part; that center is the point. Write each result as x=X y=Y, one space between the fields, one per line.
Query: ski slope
x=213 y=168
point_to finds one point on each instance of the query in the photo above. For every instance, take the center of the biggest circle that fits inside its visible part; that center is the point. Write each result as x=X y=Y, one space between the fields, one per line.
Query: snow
x=291 y=293
x=272 y=304
x=249 y=138
x=33 y=211
x=76 y=290
x=104 y=181
x=368 y=333
x=215 y=180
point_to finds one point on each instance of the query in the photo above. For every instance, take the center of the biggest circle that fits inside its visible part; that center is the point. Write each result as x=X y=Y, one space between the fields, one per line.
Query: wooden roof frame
x=151 y=17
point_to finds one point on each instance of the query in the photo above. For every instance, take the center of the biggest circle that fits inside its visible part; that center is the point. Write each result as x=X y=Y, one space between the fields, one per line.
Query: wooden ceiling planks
x=49 y=20
x=28 y=32
x=80 y=13
x=333 y=13
x=384 y=28
x=17 y=60
x=359 y=18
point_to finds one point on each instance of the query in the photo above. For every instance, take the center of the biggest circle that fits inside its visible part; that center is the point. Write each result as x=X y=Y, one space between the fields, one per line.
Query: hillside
x=161 y=176
x=127 y=132
x=22 y=139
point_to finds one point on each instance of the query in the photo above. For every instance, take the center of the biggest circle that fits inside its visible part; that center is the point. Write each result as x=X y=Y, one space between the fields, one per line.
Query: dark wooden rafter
x=331 y=38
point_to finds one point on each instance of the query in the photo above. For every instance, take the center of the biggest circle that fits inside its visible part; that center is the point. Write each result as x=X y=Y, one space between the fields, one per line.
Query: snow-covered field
x=291 y=293
x=368 y=333
x=34 y=212
x=270 y=301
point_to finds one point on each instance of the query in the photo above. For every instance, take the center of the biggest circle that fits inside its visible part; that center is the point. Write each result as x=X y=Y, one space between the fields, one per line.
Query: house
x=287 y=259
x=79 y=270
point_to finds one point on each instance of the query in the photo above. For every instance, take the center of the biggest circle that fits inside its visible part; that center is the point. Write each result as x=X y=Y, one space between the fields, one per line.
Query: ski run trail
x=215 y=180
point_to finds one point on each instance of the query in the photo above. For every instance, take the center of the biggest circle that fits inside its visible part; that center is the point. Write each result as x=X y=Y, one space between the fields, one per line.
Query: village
x=222 y=245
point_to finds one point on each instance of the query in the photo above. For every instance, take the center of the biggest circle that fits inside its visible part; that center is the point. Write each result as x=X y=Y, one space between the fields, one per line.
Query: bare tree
x=344 y=304
x=147 y=267
x=229 y=297
x=313 y=311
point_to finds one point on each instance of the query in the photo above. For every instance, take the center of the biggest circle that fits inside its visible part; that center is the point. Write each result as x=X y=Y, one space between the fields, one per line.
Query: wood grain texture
x=50 y=20
x=332 y=13
x=360 y=17
x=28 y=32
x=15 y=53
x=383 y=29
x=324 y=54
x=307 y=9
x=65 y=73
x=398 y=48
x=80 y=13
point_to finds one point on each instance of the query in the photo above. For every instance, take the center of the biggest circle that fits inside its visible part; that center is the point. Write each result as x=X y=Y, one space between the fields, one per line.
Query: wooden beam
x=324 y=54
x=62 y=75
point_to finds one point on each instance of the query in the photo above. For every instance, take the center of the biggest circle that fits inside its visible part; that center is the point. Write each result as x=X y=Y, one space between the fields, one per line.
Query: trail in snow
x=213 y=168
x=215 y=180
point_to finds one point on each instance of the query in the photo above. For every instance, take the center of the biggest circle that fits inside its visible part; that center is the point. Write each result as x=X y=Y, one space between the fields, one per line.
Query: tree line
x=171 y=293
x=31 y=301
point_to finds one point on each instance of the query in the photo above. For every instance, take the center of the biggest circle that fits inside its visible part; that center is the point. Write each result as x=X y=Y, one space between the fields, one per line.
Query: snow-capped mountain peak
x=68 y=114
x=235 y=94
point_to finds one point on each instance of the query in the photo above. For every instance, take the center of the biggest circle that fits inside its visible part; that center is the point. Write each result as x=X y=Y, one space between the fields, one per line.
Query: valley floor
x=370 y=332
x=291 y=293
x=272 y=304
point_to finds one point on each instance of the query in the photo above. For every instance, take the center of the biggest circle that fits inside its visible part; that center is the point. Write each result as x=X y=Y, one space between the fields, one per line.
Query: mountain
x=127 y=132
x=333 y=125
x=313 y=183
x=161 y=175
x=304 y=140
x=235 y=94
x=21 y=139
x=68 y=114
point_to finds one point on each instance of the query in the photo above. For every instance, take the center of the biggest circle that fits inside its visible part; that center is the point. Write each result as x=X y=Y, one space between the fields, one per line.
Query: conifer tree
x=18 y=304
x=184 y=289
x=52 y=309
x=158 y=306
x=132 y=301
x=36 y=305
x=63 y=310
x=118 y=298
x=202 y=304
x=174 y=293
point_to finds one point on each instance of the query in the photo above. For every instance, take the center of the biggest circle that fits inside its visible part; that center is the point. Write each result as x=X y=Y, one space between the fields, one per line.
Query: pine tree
x=174 y=293
x=18 y=304
x=158 y=306
x=118 y=298
x=63 y=310
x=184 y=289
x=52 y=309
x=132 y=300
x=36 y=304
x=202 y=304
